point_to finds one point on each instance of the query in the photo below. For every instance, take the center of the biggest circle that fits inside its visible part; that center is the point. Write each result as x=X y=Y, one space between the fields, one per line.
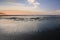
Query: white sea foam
x=11 y=26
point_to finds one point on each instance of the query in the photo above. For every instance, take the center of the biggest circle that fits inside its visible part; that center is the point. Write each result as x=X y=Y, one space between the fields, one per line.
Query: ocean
x=29 y=27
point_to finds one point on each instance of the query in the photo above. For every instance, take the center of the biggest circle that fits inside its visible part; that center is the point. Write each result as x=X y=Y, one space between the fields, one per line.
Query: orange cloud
x=20 y=12
x=25 y=12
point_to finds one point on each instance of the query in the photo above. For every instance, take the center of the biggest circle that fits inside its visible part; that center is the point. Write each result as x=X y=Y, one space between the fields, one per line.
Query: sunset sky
x=30 y=7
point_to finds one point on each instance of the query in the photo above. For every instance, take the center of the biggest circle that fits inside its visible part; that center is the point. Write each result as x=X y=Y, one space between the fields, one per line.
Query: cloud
x=17 y=6
x=31 y=1
x=32 y=6
x=54 y=12
x=34 y=3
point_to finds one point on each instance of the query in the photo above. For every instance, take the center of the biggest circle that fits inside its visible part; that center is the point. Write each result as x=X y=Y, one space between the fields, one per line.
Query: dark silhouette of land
x=2 y=13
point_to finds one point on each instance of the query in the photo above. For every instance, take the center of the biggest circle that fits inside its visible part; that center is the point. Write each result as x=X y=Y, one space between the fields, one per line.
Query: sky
x=30 y=7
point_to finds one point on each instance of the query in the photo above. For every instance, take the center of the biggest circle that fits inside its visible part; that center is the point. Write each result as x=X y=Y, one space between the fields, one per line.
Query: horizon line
x=29 y=15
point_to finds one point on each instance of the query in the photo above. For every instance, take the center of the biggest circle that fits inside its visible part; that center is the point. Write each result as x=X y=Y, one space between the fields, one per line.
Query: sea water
x=13 y=27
